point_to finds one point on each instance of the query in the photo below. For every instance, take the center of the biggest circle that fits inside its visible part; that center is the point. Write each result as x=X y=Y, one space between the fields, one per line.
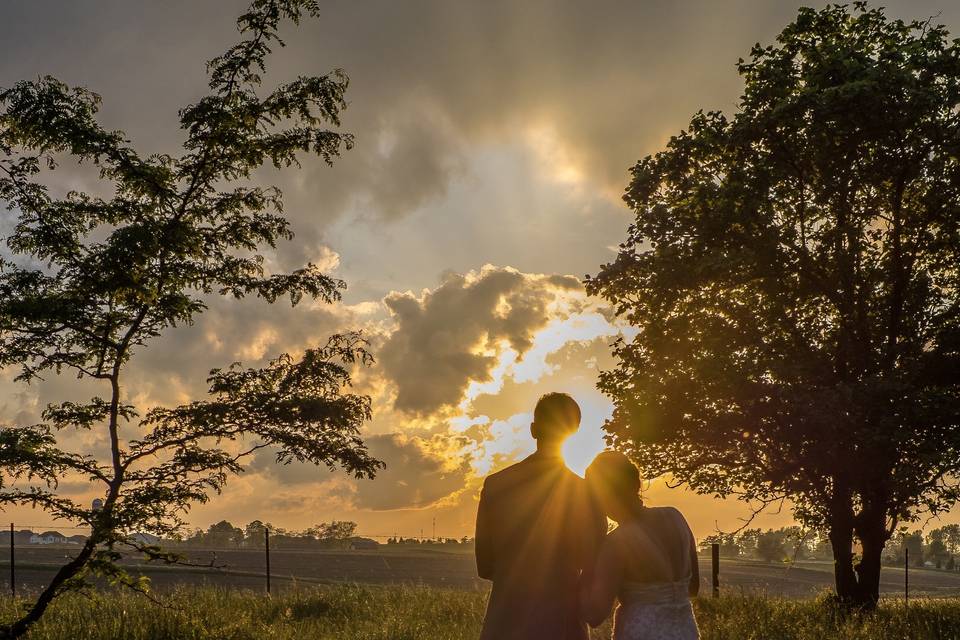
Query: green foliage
x=336 y=534
x=793 y=274
x=392 y=613
x=91 y=280
x=772 y=545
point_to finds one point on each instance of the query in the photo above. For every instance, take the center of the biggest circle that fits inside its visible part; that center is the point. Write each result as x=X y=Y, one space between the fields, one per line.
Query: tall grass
x=407 y=613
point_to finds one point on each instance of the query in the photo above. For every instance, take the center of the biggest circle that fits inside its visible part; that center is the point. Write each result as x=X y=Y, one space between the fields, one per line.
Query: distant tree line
x=337 y=534
x=442 y=542
x=772 y=545
x=938 y=548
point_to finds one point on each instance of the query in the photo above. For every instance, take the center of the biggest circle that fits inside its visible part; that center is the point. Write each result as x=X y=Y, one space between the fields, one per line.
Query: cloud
x=415 y=157
x=451 y=335
x=420 y=472
x=293 y=474
x=487 y=132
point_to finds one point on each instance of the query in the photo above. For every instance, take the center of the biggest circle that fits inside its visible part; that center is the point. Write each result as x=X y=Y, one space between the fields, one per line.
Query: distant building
x=143 y=538
x=48 y=537
x=363 y=544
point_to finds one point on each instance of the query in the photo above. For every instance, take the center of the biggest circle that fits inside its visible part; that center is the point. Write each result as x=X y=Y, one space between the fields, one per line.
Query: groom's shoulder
x=505 y=476
x=528 y=470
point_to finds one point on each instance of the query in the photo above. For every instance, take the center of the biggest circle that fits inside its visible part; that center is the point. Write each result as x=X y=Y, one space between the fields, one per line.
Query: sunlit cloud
x=554 y=156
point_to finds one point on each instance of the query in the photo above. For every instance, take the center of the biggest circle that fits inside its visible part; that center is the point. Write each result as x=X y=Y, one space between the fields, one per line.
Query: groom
x=536 y=532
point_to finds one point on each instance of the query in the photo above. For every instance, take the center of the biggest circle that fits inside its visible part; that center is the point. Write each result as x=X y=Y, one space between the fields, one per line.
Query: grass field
x=398 y=594
x=443 y=568
x=426 y=613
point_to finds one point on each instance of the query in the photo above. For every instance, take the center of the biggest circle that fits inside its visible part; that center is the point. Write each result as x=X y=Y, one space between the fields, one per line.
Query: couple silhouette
x=542 y=540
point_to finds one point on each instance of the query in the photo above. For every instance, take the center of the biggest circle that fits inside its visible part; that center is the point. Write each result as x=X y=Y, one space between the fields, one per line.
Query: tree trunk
x=872 y=531
x=868 y=570
x=841 y=539
x=19 y=628
x=858 y=586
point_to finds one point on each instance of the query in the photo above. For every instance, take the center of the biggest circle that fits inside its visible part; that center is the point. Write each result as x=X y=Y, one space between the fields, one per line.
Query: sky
x=493 y=141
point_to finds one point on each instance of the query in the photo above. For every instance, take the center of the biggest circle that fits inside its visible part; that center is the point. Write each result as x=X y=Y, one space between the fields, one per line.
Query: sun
x=583 y=446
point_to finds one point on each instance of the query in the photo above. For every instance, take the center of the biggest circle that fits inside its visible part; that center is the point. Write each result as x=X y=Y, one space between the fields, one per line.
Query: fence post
x=266 y=540
x=715 y=573
x=13 y=570
x=906 y=575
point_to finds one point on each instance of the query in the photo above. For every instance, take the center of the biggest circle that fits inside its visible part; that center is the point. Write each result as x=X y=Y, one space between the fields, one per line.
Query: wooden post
x=715 y=573
x=13 y=570
x=906 y=575
x=266 y=540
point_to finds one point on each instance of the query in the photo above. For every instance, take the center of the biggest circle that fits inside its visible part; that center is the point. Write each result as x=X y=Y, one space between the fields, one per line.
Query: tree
x=937 y=549
x=254 y=535
x=913 y=543
x=792 y=273
x=94 y=279
x=729 y=546
x=223 y=534
x=951 y=537
x=771 y=546
x=748 y=540
x=822 y=549
x=336 y=533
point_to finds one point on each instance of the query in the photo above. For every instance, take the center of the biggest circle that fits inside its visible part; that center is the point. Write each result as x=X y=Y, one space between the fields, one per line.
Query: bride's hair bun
x=613 y=471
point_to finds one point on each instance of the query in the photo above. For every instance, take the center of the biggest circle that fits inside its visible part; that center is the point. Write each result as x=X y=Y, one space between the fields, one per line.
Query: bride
x=648 y=563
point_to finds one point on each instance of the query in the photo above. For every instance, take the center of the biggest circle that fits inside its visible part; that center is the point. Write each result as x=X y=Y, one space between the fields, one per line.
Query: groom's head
x=555 y=418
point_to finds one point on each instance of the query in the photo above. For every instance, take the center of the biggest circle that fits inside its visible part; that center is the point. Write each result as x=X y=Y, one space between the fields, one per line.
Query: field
x=354 y=612
x=403 y=593
x=446 y=569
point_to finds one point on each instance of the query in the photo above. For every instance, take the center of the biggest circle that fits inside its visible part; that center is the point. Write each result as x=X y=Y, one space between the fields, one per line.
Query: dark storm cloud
x=431 y=82
x=434 y=352
x=614 y=77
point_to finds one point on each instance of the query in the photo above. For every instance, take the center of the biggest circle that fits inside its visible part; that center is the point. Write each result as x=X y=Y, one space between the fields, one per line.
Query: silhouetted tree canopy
x=90 y=280
x=792 y=271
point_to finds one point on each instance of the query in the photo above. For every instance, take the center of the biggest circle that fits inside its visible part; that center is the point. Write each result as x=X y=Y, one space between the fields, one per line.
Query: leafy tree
x=913 y=542
x=92 y=280
x=729 y=546
x=748 y=540
x=771 y=546
x=951 y=537
x=796 y=542
x=822 y=550
x=254 y=534
x=793 y=274
x=335 y=531
x=937 y=549
x=223 y=534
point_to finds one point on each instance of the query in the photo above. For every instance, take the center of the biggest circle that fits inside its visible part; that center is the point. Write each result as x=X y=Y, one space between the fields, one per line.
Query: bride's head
x=614 y=482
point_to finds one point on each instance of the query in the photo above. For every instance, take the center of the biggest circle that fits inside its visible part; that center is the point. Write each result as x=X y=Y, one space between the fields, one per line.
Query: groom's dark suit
x=536 y=531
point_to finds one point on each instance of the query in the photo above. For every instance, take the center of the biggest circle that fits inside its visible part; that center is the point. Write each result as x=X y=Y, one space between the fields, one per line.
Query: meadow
x=368 y=612
x=244 y=569
x=399 y=594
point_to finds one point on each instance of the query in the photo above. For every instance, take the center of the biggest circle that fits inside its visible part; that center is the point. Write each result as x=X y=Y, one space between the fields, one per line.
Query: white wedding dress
x=660 y=610
x=655 y=611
